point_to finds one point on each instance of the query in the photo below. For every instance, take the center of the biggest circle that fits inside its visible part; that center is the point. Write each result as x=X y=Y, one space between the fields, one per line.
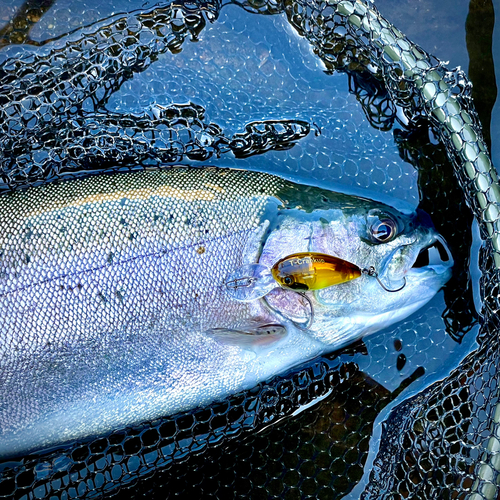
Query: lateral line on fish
x=125 y=261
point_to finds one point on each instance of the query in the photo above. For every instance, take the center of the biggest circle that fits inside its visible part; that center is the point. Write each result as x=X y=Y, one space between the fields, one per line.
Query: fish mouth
x=435 y=256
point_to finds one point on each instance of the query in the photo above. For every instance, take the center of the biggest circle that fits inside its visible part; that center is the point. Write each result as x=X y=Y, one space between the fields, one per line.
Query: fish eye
x=383 y=230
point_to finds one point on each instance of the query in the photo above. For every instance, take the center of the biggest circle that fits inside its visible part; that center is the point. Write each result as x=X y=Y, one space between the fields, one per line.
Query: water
x=248 y=67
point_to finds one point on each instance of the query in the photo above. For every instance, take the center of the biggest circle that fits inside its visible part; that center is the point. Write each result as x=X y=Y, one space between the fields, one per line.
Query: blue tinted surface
x=248 y=67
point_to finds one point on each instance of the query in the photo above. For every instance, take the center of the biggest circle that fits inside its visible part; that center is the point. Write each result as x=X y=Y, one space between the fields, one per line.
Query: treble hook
x=371 y=272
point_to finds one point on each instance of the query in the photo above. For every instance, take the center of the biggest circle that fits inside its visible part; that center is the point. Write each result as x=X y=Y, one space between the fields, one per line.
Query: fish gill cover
x=75 y=103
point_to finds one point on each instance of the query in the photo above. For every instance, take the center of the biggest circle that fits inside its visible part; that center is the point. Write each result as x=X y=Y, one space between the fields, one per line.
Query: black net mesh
x=61 y=117
x=54 y=120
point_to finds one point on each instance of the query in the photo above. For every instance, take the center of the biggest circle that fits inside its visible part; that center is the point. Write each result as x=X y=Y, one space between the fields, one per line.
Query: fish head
x=403 y=259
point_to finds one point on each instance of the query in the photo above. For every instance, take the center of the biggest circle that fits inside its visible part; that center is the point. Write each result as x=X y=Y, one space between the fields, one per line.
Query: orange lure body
x=313 y=271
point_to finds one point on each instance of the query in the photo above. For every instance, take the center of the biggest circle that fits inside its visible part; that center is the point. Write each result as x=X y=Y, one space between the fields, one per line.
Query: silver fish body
x=114 y=308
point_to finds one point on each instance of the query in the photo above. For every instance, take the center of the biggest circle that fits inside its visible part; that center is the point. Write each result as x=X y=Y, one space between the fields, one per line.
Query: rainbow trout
x=117 y=304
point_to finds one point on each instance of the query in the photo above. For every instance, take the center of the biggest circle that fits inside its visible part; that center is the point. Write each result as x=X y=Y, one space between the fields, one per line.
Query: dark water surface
x=247 y=67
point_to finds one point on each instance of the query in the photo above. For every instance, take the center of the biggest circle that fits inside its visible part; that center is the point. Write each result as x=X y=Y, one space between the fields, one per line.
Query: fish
x=116 y=302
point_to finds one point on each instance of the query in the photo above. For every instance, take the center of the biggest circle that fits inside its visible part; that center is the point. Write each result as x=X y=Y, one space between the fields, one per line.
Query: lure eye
x=383 y=230
x=288 y=280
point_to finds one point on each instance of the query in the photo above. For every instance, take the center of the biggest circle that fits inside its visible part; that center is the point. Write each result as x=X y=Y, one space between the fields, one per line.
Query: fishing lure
x=299 y=272
x=313 y=271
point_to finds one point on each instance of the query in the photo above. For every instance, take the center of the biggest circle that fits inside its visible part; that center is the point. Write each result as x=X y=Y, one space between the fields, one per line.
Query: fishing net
x=326 y=429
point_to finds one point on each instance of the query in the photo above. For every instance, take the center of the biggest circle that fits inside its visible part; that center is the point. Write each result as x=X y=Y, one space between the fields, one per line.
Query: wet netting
x=72 y=103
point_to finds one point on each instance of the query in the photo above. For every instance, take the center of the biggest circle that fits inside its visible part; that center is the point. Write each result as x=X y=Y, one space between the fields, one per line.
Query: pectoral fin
x=249 y=337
